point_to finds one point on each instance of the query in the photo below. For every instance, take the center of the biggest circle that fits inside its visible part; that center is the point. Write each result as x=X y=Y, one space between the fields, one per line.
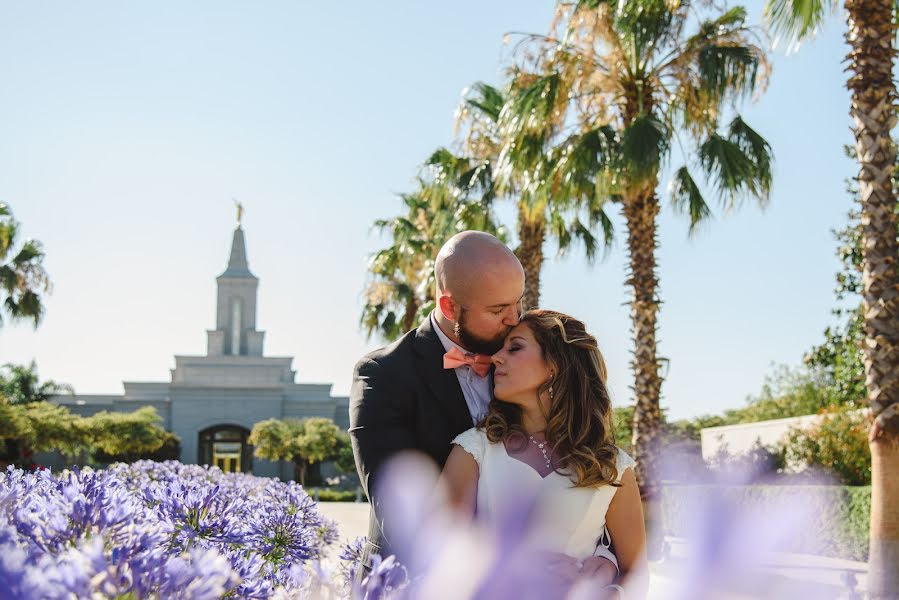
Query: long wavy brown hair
x=579 y=420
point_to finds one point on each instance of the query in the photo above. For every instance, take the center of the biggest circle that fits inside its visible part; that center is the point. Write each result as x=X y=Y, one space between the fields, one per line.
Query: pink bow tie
x=456 y=358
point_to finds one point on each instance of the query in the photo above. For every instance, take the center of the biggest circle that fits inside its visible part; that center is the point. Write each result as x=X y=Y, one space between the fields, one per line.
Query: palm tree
x=520 y=175
x=872 y=41
x=453 y=194
x=618 y=84
x=22 y=275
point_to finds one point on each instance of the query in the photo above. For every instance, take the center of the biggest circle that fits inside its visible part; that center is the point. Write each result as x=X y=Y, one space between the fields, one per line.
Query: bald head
x=480 y=284
x=467 y=258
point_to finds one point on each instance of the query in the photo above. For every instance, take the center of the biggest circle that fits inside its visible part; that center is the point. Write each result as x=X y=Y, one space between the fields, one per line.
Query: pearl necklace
x=542 y=447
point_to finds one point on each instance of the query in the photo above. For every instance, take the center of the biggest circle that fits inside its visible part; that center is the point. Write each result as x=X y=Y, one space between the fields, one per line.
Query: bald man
x=434 y=383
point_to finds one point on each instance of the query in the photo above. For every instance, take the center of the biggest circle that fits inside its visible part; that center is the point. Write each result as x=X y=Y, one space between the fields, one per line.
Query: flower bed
x=162 y=530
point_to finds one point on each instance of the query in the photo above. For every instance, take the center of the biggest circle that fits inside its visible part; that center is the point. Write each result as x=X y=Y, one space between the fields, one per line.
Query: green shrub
x=841 y=513
x=838 y=444
x=328 y=495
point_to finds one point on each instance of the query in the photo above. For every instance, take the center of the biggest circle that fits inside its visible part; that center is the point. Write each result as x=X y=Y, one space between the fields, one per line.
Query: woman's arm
x=628 y=530
x=459 y=481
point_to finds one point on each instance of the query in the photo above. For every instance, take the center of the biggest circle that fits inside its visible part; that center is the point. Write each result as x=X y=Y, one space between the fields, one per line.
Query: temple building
x=212 y=401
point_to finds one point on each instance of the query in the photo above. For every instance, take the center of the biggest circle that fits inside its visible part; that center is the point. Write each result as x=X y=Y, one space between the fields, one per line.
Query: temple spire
x=237 y=262
x=235 y=314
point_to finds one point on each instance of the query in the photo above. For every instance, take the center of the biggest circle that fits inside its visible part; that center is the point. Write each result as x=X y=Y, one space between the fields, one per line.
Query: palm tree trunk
x=870 y=35
x=883 y=559
x=640 y=210
x=531 y=233
x=411 y=313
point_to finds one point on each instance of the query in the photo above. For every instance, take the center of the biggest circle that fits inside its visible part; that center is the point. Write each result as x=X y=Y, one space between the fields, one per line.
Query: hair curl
x=579 y=420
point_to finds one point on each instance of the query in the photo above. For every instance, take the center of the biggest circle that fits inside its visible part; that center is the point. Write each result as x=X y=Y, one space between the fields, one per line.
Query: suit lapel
x=443 y=383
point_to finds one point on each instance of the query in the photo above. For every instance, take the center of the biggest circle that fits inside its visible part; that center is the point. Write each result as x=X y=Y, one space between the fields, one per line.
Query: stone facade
x=213 y=401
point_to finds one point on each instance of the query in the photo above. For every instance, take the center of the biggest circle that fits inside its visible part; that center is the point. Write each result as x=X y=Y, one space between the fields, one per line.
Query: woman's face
x=520 y=368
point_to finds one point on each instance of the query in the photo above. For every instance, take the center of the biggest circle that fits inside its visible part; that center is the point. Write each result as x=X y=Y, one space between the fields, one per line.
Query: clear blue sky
x=128 y=127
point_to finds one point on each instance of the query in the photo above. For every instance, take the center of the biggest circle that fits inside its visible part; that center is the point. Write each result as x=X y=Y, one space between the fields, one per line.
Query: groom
x=434 y=383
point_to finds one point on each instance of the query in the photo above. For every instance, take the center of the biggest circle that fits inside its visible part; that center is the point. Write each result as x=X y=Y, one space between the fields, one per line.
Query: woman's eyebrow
x=517 y=337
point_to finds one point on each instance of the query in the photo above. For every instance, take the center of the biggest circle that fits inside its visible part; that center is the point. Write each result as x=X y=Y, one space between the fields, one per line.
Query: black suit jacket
x=402 y=399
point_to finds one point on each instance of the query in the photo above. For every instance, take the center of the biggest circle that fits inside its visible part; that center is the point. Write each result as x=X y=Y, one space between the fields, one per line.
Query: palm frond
x=739 y=165
x=486 y=99
x=794 y=21
x=644 y=25
x=643 y=146
x=759 y=152
x=687 y=197
x=728 y=70
x=582 y=171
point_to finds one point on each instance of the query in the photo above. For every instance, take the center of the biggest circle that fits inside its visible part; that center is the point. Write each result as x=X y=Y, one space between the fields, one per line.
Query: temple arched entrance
x=226 y=447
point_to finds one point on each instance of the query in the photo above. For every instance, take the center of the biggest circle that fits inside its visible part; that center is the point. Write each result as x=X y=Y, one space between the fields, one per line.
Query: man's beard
x=474 y=343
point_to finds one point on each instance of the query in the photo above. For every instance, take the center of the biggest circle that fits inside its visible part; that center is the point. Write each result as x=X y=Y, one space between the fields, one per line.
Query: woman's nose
x=497 y=359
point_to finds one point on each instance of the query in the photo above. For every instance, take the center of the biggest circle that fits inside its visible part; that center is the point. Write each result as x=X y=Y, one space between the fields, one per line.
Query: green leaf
x=758 y=150
x=643 y=146
x=727 y=69
x=794 y=21
x=486 y=99
x=714 y=29
x=727 y=167
x=643 y=25
x=585 y=160
x=687 y=197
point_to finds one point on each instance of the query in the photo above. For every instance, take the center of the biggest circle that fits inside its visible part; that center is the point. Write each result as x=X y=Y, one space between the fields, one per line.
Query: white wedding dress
x=566 y=519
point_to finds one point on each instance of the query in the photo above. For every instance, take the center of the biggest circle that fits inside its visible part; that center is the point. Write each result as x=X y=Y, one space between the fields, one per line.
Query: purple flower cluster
x=160 y=530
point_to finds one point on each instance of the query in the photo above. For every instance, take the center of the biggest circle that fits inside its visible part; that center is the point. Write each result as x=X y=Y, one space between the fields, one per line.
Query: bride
x=548 y=435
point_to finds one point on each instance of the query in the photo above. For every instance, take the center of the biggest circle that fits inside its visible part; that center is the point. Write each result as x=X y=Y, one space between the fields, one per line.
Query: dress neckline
x=526 y=465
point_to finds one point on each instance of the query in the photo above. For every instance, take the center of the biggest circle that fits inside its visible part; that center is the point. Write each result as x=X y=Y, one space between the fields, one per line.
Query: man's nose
x=513 y=317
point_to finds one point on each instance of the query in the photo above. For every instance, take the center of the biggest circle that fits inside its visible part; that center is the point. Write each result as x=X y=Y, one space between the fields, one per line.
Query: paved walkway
x=351 y=517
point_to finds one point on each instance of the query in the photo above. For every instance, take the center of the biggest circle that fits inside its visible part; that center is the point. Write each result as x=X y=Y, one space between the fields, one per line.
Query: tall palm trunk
x=531 y=234
x=870 y=36
x=410 y=314
x=883 y=561
x=640 y=210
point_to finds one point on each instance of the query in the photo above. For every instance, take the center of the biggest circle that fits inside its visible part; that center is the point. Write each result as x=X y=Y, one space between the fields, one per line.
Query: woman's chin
x=504 y=396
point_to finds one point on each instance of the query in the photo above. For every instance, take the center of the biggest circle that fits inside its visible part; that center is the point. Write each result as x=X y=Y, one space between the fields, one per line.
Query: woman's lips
x=498 y=374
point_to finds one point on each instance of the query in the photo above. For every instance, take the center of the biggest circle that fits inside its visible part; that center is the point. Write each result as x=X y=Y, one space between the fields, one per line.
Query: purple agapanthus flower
x=154 y=530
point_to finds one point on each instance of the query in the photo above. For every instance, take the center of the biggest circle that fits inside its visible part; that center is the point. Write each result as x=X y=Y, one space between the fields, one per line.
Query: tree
x=521 y=169
x=47 y=427
x=345 y=461
x=840 y=355
x=22 y=275
x=872 y=40
x=136 y=432
x=31 y=427
x=300 y=441
x=616 y=84
x=838 y=444
x=20 y=385
x=453 y=194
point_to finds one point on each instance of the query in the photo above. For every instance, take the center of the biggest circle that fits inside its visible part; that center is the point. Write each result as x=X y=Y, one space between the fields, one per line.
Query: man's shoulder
x=393 y=355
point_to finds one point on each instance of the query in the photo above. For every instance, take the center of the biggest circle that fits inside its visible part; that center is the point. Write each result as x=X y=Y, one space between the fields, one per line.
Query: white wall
x=739 y=439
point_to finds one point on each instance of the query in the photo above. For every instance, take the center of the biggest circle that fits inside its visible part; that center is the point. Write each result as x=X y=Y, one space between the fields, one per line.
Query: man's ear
x=447 y=307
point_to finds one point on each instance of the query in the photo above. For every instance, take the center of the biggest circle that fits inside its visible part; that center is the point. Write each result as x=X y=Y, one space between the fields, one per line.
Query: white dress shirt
x=478 y=391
